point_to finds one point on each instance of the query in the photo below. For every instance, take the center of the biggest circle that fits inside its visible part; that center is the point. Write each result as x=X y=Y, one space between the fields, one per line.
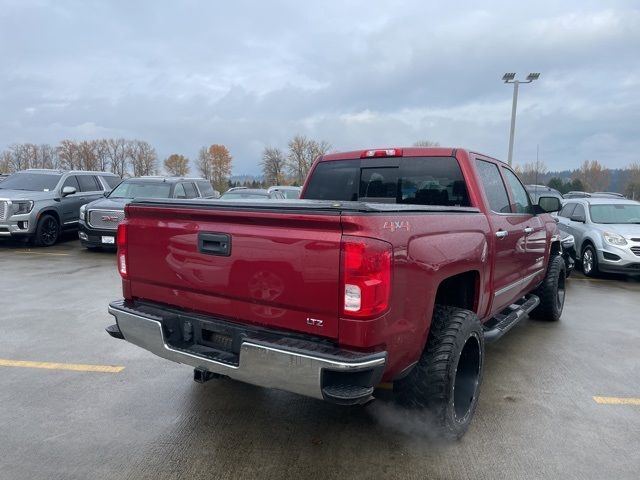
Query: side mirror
x=106 y=194
x=68 y=190
x=549 y=204
x=578 y=218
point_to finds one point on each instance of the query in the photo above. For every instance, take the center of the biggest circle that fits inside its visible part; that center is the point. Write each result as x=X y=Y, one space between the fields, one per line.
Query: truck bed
x=281 y=267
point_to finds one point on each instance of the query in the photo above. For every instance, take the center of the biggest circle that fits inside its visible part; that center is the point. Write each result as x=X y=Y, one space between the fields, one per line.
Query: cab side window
x=522 y=204
x=493 y=186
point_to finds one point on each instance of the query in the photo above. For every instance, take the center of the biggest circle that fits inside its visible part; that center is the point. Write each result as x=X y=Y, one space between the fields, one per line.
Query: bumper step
x=509 y=318
x=114 y=331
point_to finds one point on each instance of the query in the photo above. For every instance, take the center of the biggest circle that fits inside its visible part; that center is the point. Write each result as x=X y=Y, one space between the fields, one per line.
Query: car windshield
x=129 y=189
x=615 y=213
x=33 y=182
x=238 y=195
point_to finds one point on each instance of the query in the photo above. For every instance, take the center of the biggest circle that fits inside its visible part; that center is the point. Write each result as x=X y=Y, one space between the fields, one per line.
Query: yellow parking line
x=76 y=367
x=43 y=253
x=617 y=400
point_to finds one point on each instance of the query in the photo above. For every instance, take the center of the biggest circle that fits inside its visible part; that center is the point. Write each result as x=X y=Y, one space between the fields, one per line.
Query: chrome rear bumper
x=340 y=376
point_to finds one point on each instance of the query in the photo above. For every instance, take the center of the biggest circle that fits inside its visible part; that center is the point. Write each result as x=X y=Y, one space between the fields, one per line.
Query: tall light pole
x=510 y=78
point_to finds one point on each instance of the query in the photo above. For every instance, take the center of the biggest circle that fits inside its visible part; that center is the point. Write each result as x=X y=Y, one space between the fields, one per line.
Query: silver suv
x=606 y=231
x=39 y=204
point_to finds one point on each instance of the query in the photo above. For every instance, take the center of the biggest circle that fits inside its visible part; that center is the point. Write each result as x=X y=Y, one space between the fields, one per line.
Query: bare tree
x=273 y=165
x=177 y=165
x=116 y=152
x=87 y=158
x=532 y=172
x=68 y=154
x=204 y=163
x=593 y=176
x=302 y=153
x=6 y=162
x=425 y=143
x=142 y=157
x=101 y=150
x=46 y=157
x=21 y=156
x=632 y=184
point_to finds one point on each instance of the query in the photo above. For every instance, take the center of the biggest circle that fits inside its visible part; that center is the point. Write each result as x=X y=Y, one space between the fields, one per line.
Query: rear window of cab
x=407 y=180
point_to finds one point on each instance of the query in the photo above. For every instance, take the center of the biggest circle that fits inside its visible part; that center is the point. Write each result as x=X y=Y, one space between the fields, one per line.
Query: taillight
x=121 y=242
x=366 y=276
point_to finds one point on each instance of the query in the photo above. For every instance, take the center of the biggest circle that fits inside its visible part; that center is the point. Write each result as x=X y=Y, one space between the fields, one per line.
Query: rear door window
x=88 y=183
x=206 y=189
x=190 y=190
x=493 y=186
x=111 y=181
x=412 y=180
x=178 y=191
x=521 y=200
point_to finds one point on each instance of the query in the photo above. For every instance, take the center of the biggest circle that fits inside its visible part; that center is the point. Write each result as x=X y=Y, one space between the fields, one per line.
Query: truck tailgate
x=261 y=267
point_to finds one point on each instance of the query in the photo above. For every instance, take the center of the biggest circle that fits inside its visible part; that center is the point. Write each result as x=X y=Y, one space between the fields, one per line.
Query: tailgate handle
x=214 y=244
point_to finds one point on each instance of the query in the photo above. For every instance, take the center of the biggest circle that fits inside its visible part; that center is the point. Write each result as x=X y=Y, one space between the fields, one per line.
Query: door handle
x=528 y=230
x=214 y=244
x=502 y=233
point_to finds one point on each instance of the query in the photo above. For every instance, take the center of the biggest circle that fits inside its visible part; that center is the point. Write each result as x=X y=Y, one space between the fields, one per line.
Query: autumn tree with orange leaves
x=177 y=165
x=214 y=164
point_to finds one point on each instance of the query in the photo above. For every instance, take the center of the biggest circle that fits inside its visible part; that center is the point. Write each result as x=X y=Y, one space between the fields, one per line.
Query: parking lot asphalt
x=558 y=400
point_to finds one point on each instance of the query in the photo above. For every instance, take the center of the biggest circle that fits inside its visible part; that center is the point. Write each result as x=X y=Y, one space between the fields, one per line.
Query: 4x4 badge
x=394 y=225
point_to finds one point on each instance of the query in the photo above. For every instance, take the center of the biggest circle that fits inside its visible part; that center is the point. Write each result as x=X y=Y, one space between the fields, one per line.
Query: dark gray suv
x=99 y=220
x=38 y=204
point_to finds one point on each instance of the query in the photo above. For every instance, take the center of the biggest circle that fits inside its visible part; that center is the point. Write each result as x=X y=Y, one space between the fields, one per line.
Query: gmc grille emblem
x=109 y=218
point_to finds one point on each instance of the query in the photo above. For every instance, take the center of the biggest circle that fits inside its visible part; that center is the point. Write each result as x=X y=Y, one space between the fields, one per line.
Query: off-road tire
x=453 y=358
x=47 y=231
x=593 y=270
x=551 y=292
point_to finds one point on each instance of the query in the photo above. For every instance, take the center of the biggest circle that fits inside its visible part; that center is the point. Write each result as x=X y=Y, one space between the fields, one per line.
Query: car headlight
x=83 y=212
x=614 y=239
x=22 y=207
x=568 y=241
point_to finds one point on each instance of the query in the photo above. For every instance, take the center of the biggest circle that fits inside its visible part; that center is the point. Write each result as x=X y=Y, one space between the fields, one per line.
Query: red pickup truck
x=395 y=266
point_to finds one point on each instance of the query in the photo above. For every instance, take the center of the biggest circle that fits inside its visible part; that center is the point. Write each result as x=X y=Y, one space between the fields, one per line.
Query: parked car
x=568 y=251
x=537 y=191
x=288 y=191
x=360 y=281
x=100 y=218
x=576 y=194
x=607 y=195
x=607 y=233
x=38 y=204
x=243 y=193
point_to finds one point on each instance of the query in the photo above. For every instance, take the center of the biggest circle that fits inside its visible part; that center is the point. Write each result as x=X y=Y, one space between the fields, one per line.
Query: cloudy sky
x=357 y=74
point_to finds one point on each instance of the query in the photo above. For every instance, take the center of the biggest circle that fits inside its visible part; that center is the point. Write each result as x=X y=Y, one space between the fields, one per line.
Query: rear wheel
x=47 y=231
x=589 y=261
x=446 y=380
